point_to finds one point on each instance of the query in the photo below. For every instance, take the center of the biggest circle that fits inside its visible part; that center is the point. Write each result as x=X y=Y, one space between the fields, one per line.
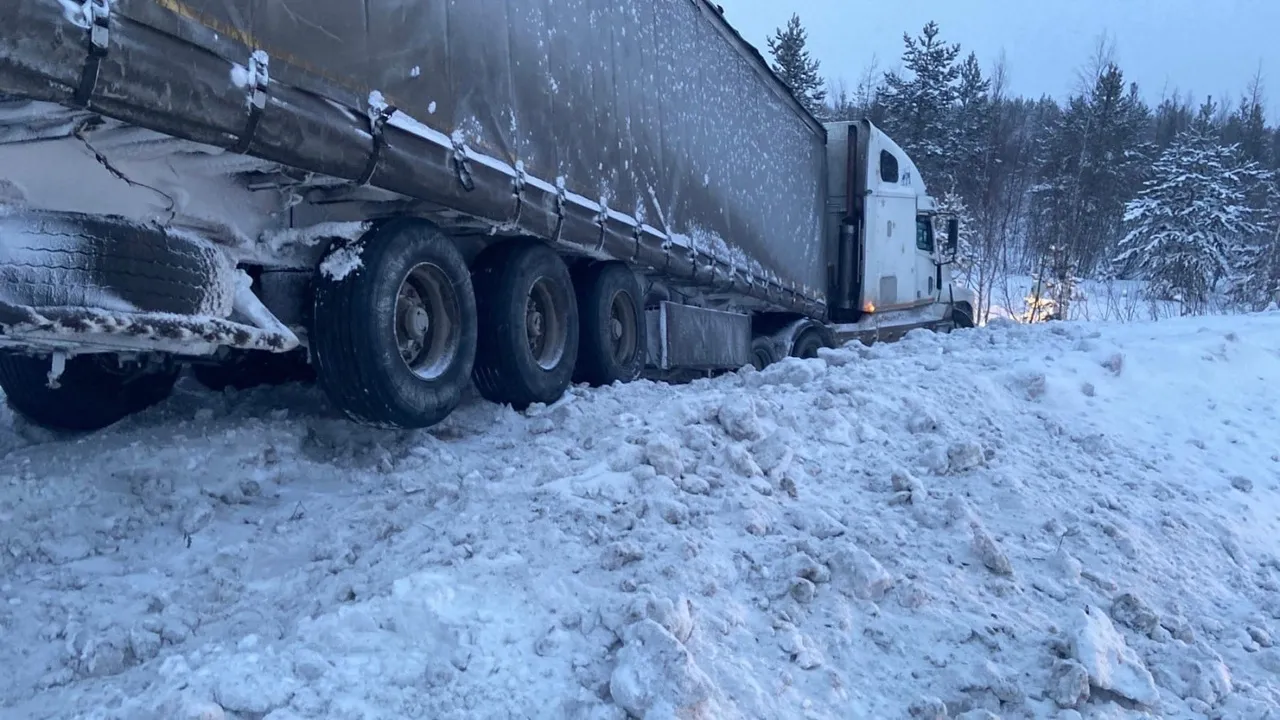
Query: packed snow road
x=1052 y=522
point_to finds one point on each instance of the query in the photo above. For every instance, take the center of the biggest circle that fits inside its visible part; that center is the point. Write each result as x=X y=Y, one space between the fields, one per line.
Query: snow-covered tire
x=511 y=367
x=612 y=336
x=61 y=259
x=962 y=315
x=807 y=345
x=362 y=348
x=763 y=352
x=91 y=395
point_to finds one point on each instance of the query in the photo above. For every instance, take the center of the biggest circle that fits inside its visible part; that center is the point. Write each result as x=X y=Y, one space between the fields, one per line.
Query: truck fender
x=789 y=335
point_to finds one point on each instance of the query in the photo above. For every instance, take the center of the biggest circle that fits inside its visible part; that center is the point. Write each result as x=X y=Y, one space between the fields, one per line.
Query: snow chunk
x=792 y=371
x=251 y=688
x=929 y=708
x=621 y=554
x=342 y=261
x=737 y=415
x=1111 y=664
x=799 y=648
x=1069 y=684
x=656 y=676
x=1133 y=612
x=907 y=488
x=964 y=456
x=855 y=573
x=196 y=518
x=674 y=617
x=987 y=550
x=663 y=453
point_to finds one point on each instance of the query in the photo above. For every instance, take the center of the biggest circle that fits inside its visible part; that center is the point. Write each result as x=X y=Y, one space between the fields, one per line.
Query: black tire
x=91 y=394
x=763 y=353
x=612 y=332
x=962 y=315
x=807 y=345
x=508 y=368
x=361 y=349
x=58 y=259
x=244 y=369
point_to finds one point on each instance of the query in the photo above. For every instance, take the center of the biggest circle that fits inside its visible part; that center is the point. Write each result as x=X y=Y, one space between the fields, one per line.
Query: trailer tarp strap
x=98 y=15
x=562 y=197
x=259 y=79
x=462 y=163
x=379 y=115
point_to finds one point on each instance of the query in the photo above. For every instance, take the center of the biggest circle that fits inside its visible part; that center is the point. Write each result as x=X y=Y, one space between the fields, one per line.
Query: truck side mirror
x=953 y=236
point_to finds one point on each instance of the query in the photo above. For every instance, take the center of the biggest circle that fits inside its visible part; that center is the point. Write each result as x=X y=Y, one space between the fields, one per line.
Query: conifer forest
x=1171 y=204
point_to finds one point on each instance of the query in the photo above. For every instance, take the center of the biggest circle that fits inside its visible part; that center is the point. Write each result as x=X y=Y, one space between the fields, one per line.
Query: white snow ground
x=997 y=522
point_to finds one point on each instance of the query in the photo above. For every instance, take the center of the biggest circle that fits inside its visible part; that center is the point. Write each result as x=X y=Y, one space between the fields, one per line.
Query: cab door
x=891 y=272
x=926 y=260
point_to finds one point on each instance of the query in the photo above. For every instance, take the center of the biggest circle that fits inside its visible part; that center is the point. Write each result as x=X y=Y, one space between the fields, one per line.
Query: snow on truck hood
x=1004 y=520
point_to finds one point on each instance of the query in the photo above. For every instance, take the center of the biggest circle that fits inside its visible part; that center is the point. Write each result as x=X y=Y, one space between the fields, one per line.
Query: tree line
x=1184 y=196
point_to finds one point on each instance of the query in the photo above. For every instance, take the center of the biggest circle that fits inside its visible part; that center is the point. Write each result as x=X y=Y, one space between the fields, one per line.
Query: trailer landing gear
x=394 y=340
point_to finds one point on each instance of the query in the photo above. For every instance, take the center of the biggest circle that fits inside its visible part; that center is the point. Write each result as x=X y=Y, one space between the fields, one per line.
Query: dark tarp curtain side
x=655 y=107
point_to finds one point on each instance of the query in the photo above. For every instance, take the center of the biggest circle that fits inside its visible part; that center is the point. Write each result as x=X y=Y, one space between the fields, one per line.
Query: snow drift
x=1015 y=521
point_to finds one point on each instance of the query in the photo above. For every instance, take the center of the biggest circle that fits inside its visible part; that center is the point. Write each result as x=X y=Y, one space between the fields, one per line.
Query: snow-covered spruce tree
x=1187 y=226
x=1256 y=278
x=970 y=168
x=792 y=63
x=918 y=106
x=1093 y=158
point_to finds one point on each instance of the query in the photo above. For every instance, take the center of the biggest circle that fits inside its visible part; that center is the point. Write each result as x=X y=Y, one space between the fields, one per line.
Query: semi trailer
x=404 y=199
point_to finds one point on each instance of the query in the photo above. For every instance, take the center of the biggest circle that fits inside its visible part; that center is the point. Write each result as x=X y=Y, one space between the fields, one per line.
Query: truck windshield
x=924 y=233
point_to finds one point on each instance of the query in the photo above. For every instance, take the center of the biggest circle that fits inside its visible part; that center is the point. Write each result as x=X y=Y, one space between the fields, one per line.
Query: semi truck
x=407 y=199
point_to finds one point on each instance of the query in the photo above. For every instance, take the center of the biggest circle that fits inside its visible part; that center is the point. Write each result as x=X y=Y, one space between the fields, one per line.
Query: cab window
x=924 y=233
x=888 y=167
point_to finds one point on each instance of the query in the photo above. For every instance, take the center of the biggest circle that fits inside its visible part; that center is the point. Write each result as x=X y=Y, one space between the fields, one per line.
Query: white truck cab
x=894 y=248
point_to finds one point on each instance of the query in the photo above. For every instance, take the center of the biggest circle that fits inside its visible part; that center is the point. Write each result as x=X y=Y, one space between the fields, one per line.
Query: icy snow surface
x=1022 y=522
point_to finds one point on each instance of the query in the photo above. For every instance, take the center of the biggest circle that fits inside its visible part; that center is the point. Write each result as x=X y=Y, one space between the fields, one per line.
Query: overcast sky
x=1204 y=46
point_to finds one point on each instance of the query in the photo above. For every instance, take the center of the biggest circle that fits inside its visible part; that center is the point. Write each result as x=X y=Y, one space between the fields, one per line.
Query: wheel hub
x=533 y=321
x=622 y=321
x=427 y=321
x=544 y=325
x=417 y=322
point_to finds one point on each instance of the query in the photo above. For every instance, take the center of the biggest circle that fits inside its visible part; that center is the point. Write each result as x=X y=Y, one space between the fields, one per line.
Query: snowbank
x=1017 y=521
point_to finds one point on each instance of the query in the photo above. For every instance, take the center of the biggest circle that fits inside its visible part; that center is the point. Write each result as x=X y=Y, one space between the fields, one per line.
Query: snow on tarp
x=655 y=109
x=912 y=526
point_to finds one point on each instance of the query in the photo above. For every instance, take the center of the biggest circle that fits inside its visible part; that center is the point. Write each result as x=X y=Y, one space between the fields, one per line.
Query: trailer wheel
x=93 y=391
x=807 y=345
x=393 y=340
x=529 y=347
x=763 y=353
x=612 y=342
